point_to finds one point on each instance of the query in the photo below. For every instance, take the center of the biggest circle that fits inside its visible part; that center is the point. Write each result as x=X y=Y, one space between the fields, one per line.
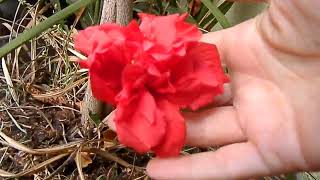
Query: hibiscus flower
x=150 y=72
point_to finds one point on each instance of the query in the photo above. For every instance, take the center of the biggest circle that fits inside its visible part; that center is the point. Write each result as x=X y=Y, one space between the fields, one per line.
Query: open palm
x=272 y=124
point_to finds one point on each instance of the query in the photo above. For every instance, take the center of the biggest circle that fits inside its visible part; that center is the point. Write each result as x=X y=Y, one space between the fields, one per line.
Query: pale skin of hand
x=272 y=123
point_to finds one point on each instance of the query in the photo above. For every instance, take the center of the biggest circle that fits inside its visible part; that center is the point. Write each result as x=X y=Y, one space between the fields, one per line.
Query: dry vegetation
x=41 y=132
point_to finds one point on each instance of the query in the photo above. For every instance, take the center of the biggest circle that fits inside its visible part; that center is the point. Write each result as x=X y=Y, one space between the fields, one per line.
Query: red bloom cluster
x=149 y=72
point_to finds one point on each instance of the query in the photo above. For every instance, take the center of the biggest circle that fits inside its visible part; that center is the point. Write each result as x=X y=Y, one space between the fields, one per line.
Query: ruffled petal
x=174 y=139
x=199 y=77
x=105 y=75
x=98 y=38
x=186 y=32
x=153 y=27
x=159 y=82
x=140 y=124
x=133 y=82
x=167 y=36
x=83 y=40
x=85 y=64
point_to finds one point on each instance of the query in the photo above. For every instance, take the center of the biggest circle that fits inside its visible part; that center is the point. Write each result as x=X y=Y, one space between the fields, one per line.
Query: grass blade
x=223 y=21
x=224 y=8
x=43 y=26
x=9 y=81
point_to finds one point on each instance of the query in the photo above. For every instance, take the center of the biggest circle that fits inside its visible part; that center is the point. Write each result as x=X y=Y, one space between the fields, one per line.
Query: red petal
x=105 y=75
x=85 y=64
x=99 y=38
x=174 y=139
x=153 y=28
x=133 y=81
x=198 y=78
x=159 y=82
x=83 y=40
x=133 y=33
x=140 y=124
x=167 y=36
x=187 y=32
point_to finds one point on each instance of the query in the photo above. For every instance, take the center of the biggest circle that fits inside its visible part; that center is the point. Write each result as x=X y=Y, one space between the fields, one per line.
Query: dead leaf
x=79 y=14
x=109 y=138
x=39 y=96
x=55 y=97
x=108 y=135
x=85 y=159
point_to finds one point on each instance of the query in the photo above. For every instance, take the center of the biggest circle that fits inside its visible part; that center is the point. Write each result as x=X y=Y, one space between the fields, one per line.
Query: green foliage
x=223 y=21
x=95 y=118
x=291 y=177
x=208 y=15
x=209 y=21
x=91 y=15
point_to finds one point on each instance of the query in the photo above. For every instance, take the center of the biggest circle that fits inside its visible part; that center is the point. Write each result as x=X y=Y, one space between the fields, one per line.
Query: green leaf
x=224 y=8
x=201 y=15
x=223 y=21
x=160 y=6
x=95 y=118
x=43 y=26
x=183 y=5
x=291 y=177
x=97 y=12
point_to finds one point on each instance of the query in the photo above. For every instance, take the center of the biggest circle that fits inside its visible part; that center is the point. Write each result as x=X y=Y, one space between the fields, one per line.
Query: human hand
x=271 y=125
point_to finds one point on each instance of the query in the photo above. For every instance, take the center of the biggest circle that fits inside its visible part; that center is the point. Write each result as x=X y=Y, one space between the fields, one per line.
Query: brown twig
x=66 y=162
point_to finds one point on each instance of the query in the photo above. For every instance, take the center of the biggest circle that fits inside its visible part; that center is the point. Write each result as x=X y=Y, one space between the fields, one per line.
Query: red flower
x=149 y=72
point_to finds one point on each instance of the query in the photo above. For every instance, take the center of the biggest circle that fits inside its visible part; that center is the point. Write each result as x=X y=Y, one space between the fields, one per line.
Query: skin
x=271 y=125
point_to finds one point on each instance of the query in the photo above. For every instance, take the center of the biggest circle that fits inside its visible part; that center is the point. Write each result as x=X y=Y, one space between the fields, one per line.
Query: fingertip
x=151 y=169
x=235 y=161
x=109 y=120
x=167 y=169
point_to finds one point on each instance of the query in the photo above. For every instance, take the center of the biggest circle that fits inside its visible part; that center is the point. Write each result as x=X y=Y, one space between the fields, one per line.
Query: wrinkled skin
x=272 y=123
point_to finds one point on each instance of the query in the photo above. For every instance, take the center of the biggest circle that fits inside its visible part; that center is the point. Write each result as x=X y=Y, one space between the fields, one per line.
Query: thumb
x=235 y=44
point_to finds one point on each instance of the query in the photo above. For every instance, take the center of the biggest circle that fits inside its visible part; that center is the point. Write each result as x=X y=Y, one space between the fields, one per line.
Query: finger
x=235 y=161
x=109 y=120
x=235 y=45
x=213 y=127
